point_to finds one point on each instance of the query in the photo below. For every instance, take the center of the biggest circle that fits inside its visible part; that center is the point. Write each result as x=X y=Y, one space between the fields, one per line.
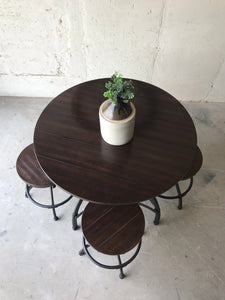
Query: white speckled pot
x=116 y=132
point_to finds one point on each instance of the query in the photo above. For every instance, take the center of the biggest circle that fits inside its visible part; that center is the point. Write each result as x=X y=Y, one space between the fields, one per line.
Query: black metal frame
x=110 y=267
x=179 y=195
x=156 y=209
x=52 y=206
x=153 y=201
x=76 y=215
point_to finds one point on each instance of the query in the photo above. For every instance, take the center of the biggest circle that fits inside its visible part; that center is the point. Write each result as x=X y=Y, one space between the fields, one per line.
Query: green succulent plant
x=119 y=89
x=119 y=92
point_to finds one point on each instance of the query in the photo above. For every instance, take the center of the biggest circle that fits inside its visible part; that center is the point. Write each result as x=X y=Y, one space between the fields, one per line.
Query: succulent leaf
x=119 y=89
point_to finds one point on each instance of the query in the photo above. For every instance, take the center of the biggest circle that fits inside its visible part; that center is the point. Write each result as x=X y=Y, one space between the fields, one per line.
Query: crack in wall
x=83 y=11
x=162 y=14
x=59 y=65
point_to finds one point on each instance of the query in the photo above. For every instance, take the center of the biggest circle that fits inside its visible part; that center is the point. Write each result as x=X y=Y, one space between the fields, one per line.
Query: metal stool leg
x=180 y=201
x=82 y=251
x=28 y=187
x=121 y=269
x=76 y=215
x=156 y=210
x=53 y=204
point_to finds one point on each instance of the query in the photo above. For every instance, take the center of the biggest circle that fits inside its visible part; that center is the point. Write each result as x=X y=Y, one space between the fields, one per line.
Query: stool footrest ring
x=119 y=266
x=28 y=188
x=181 y=195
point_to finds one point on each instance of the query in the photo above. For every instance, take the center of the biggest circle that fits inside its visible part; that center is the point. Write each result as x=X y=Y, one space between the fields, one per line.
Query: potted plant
x=117 y=114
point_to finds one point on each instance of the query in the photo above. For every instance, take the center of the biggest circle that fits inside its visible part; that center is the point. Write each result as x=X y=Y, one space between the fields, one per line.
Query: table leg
x=76 y=215
x=156 y=209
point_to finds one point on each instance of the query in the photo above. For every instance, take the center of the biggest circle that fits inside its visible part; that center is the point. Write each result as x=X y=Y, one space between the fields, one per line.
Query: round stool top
x=29 y=170
x=113 y=230
x=196 y=164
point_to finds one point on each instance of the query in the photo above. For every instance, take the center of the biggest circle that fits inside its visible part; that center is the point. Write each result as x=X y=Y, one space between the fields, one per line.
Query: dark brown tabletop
x=70 y=149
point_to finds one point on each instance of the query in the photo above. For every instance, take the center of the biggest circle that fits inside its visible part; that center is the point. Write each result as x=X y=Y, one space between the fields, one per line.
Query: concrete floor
x=182 y=258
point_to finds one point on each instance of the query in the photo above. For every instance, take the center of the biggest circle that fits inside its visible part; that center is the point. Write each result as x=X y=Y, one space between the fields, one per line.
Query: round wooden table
x=71 y=151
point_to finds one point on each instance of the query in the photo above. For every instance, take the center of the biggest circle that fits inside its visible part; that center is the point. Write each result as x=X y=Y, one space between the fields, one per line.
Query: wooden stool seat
x=194 y=168
x=196 y=165
x=29 y=169
x=112 y=230
x=31 y=173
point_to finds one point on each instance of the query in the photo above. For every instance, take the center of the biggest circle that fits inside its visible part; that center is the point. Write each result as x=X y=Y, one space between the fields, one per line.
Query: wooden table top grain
x=71 y=151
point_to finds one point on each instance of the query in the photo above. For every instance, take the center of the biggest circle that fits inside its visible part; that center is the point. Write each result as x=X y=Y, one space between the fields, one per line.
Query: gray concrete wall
x=49 y=45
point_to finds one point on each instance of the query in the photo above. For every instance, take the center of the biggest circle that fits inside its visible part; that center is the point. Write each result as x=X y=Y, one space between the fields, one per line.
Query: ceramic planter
x=116 y=132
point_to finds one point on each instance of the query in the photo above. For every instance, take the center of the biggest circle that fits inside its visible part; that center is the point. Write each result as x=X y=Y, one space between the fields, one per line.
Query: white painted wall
x=49 y=45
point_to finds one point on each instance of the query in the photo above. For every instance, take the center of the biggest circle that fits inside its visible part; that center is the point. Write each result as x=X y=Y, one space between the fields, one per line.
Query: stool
x=195 y=167
x=112 y=230
x=31 y=173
